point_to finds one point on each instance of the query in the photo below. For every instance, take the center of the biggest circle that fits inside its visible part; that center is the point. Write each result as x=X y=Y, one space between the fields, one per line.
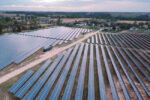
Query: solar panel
x=15 y=48
x=143 y=63
x=127 y=74
x=58 y=87
x=137 y=64
x=69 y=87
x=126 y=93
x=136 y=74
x=35 y=89
x=100 y=75
x=21 y=92
x=21 y=81
x=91 y=89
x=80 y=86
x=110 y=78
x=44 y=92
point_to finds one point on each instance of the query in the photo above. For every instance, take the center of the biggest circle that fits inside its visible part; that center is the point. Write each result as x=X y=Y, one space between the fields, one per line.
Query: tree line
x=8 y=24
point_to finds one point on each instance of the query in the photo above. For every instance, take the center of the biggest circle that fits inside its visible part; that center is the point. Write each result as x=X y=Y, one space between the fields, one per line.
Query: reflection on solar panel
x=92 y=71
x=91 y=88
x=17 y=47
x=102 y=86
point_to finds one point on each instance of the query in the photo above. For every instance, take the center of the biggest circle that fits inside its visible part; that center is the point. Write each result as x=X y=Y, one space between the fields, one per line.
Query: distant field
x=7 y=15
x=68 y=20
x=131 y=22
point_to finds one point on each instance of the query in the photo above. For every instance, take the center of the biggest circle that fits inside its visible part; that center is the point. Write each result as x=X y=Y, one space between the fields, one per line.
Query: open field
x=131 y=22
x=70 y=20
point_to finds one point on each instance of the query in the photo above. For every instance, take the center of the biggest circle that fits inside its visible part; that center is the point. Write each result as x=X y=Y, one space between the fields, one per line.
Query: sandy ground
x=43 y=57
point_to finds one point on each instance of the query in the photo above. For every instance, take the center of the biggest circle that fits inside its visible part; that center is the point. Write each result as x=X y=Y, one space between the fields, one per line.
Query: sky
x=76 y=5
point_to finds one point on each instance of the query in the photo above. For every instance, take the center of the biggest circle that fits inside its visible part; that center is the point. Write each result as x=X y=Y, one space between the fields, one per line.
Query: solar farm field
x=60 y=33
x=134 y=41
x=106 y=67
x=15 y=48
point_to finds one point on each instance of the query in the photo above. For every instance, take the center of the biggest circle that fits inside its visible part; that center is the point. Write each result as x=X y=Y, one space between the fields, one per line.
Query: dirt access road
x=43 y=57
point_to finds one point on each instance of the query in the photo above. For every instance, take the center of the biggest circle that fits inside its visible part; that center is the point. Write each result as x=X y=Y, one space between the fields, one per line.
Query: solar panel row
x=21 y=81
x=45 y=91
x=56 y=92
x=91 y=88
x=21 y=46
x=42 y=80
x=22 y=91
x=70 y=84
x=122 y=40
x=67 y=79
x=109 y=73
x=80 y=84
x=60 y=33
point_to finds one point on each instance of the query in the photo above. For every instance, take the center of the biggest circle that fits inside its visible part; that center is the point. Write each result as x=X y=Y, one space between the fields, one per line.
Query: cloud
x=108 y=5
x=23 y=6
x=49 y=1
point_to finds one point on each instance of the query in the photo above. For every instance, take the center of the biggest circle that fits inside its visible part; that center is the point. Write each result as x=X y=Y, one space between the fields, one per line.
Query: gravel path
x=44 y=57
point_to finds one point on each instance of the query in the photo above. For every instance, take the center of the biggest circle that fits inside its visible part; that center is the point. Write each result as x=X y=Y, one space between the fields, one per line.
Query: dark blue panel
x=21 y=81
x=35 y=89
x=127 y=74
x=80 y=86
x=60 y=82
x=141 y=61
x=22 y=91
x=91 y=89
x=100 y=75
x=136 y=74
x=44 y=92
x=125 y=91
x=110 y=78
x=16 y=45
x=69 y=87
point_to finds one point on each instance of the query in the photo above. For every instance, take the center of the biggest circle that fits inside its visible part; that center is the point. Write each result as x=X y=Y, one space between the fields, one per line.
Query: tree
x=59 y=21
x=1 y=27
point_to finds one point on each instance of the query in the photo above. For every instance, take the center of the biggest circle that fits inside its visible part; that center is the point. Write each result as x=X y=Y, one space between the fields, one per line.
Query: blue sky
x=77 y=5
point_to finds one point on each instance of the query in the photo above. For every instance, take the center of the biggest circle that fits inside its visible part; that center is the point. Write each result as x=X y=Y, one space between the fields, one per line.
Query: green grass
x=65 y=44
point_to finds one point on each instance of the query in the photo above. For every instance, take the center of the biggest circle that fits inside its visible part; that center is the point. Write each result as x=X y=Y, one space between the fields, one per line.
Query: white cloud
x=23 y=6
x=116 y=6
x=49 y=1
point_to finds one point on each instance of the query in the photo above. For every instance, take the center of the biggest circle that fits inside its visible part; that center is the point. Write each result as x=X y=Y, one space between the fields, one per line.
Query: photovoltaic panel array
x=15 y=48
x=91 y=71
